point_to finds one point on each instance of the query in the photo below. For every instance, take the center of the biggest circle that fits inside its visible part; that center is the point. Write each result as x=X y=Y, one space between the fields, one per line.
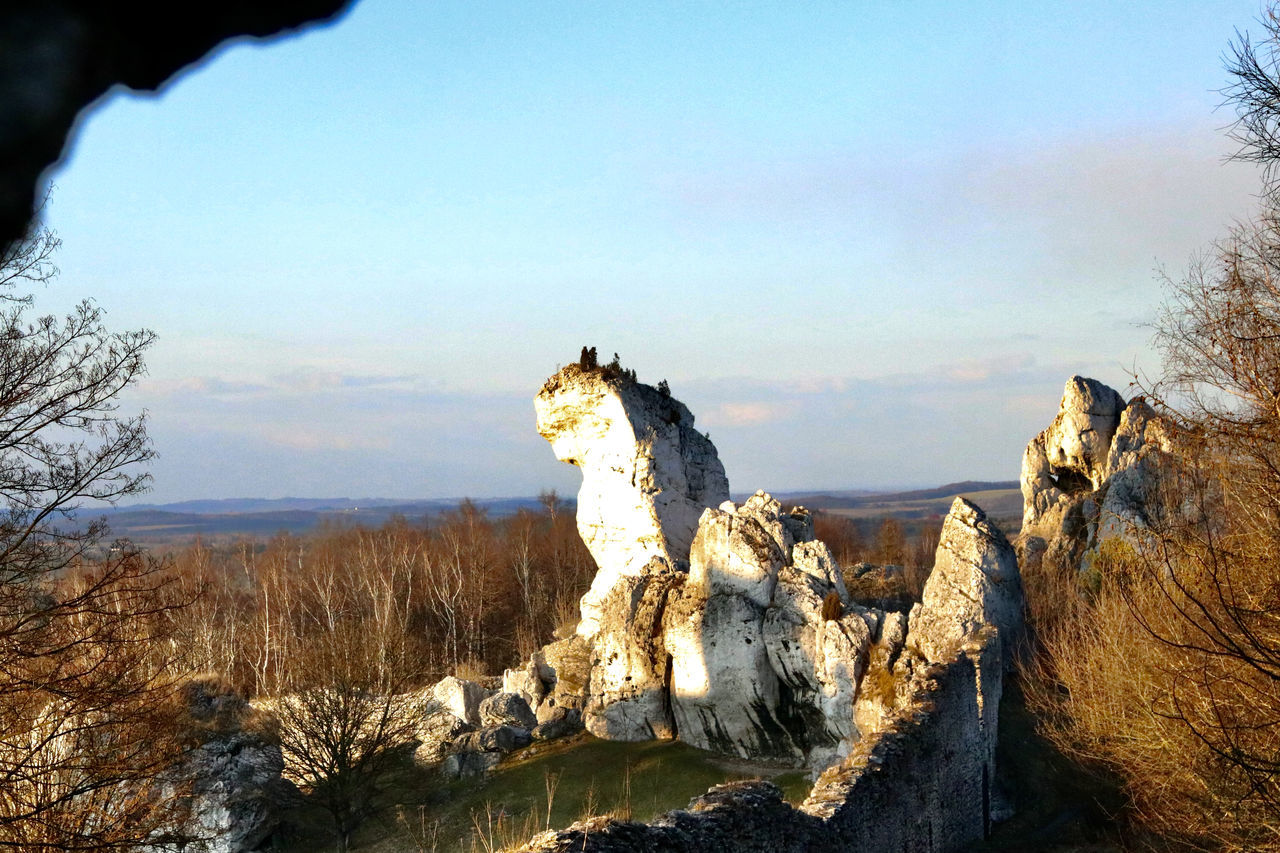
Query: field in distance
x=161 y=525
x=1000 y=500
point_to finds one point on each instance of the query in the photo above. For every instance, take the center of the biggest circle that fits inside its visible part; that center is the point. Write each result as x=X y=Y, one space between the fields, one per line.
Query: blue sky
x=865 y=242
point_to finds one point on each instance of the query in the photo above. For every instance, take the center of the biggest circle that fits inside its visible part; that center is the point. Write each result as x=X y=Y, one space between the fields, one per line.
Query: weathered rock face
x=628 y=697
x=1089 y=475
x=760 y=667
x=974 y=584
x=238 y=792
x=234 y=774
x=647 y=474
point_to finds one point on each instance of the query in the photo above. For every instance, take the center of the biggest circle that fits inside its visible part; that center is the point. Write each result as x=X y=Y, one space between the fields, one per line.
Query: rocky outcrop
x=922 y=784
x=232 y=773
x=1090 y=475
x=465 y=729
x=647 y=474
x=974 y=584
x=762 y=665
x=736 y=634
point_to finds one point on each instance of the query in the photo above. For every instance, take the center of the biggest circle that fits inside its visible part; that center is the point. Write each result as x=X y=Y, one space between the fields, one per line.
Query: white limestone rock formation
x=533 y=681
x=569 y=662
x=1089 y=476
x=647 y=474
x=729 y=626
x=628 y=695
x=974 y=585
x=881 y=686
x=765 y=658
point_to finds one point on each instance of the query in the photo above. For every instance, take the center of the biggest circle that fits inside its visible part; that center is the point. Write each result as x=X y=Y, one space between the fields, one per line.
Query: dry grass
x=1118 y=681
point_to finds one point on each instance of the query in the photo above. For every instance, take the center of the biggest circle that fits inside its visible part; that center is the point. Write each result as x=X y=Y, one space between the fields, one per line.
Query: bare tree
x=1255 y=95
x=1214 y=538
x=891 y=542
x=81 y=740
x=341 y=699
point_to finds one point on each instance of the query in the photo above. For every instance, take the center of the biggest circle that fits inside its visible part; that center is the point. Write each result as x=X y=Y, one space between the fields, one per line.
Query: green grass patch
x=577 y=777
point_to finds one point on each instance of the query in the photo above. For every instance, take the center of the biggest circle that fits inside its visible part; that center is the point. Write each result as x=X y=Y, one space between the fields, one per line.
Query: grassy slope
x=1058 y=805
x=591 y=776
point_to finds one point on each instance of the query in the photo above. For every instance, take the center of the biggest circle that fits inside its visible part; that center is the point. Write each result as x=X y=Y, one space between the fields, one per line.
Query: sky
x=865 y=242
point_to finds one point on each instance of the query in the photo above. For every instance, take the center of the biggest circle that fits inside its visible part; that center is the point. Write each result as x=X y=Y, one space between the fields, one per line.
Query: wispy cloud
x=985 y=369
x=742 y=414
x=1080 y=208
x=305 y=380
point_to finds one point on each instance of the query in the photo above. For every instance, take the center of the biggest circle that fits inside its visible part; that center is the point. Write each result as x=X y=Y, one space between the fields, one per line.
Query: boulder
x=647 y=474
x=506 y=709
x=460 y=697
x=557 y=723
x=436 y=733
x=469 y=765
x=501 y=738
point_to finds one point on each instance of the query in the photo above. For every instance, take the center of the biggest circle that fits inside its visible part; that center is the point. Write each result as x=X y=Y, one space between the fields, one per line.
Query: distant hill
x=254 y=505
x=1001 y=500
x=167 y=524
x=855 y=500
x=232 y=518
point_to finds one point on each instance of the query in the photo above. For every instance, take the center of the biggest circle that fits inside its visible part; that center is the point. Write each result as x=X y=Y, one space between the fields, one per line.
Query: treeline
x=464 y=593
x=910 y=543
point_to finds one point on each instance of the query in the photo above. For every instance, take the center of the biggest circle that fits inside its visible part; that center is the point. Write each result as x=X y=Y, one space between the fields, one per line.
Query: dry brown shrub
x=1121 y=679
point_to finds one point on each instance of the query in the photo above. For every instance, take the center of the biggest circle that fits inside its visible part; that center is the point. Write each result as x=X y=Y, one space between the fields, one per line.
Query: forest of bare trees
x=462 y=594
x=459 y=594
